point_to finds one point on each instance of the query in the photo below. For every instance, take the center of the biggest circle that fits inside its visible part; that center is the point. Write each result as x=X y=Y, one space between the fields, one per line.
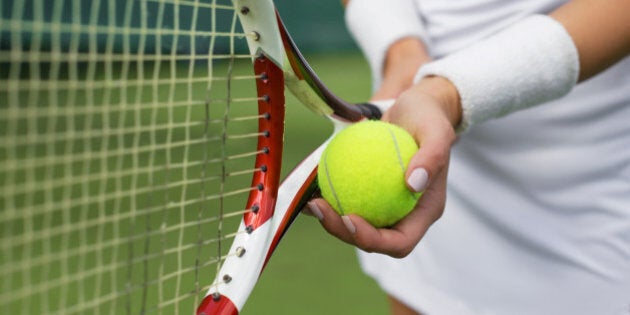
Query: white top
x=537 y=219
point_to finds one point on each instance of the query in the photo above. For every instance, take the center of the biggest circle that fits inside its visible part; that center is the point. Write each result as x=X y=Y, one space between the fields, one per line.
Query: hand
x=428 y=110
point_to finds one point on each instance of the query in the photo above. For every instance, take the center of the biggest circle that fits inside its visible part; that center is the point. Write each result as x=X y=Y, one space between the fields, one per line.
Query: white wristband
x=377 y=24
x=529 y=63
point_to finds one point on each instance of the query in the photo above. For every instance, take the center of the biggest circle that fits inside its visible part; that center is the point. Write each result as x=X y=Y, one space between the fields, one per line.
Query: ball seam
x=398 y=154
x=397 y=147
x=330 y=184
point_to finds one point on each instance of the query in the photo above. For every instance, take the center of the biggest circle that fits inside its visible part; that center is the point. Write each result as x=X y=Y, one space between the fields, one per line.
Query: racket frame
x=273 y=208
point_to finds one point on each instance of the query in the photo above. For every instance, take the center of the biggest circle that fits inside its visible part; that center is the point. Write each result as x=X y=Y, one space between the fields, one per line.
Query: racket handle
x=375 y=109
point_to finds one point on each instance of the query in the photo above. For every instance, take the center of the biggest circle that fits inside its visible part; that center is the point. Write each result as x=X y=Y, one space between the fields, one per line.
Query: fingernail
x=417 y=180
x=348 y=224
x=314 y=210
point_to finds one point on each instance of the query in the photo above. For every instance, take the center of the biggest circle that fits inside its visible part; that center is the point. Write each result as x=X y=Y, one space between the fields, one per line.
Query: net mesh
x=127 y=142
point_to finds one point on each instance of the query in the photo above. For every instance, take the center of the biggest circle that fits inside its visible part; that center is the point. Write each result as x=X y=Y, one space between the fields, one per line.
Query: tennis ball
x=362 y=171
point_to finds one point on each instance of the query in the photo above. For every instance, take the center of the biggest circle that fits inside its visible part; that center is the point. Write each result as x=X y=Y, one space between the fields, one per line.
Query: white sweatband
x=377 y=24
x=529 y=63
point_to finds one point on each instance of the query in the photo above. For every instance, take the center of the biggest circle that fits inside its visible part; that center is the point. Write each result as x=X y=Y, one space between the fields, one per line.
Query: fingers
x=330 y=220
x=425 y=119
x=430 y=122
x=397 y=241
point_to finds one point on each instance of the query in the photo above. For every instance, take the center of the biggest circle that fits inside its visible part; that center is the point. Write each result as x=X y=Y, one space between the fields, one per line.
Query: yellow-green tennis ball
x=362 y=171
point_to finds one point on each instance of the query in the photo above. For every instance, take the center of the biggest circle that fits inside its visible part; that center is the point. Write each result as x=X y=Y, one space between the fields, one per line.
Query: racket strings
x=114 y=141
x=24 y=188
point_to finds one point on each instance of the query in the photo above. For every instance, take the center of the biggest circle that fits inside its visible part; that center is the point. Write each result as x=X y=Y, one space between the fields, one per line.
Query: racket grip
x=375 y=109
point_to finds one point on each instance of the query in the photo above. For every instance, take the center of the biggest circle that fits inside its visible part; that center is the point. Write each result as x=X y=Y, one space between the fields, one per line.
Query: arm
x=392 y=39
x=600 y=31
x=402 y=60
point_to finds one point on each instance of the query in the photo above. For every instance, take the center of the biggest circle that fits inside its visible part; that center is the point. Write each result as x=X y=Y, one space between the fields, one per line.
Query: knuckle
x=438 y=214
x=401 y=252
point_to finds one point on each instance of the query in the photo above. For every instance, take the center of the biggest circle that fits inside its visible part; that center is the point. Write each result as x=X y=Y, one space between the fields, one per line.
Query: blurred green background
x=316 y=26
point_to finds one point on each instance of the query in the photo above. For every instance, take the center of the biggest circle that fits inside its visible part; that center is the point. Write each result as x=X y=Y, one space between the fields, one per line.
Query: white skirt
x=537 y=218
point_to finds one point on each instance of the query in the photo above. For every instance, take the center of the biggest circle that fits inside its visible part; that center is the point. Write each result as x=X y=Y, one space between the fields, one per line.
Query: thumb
x=431 y=159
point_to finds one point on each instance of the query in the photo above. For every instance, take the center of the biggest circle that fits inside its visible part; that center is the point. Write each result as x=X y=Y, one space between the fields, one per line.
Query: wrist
x=528 y=63
x=444 y=93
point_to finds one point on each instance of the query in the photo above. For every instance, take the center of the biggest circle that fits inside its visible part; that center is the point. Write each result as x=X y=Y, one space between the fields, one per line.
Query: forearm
x=536 y=60
x=600 y=31
x=395 y=37
x=402 y=60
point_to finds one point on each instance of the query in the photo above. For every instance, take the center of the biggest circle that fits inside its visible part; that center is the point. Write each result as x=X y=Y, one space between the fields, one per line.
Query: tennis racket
x=140 y=153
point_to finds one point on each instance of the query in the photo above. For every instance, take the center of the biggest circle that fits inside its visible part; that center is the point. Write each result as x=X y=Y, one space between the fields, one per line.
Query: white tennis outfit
x=537 y=217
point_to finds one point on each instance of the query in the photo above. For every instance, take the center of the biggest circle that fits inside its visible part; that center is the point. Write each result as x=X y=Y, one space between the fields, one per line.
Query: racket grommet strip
x=260 y=187
x=266 y=133
x=265 y=150
x=264 y=77
x=267 y=116
x=263 y=168
x=265 y=98
x=255 y=208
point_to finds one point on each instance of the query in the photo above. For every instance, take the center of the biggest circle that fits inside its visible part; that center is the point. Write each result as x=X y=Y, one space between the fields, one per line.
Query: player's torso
x=453 y=24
